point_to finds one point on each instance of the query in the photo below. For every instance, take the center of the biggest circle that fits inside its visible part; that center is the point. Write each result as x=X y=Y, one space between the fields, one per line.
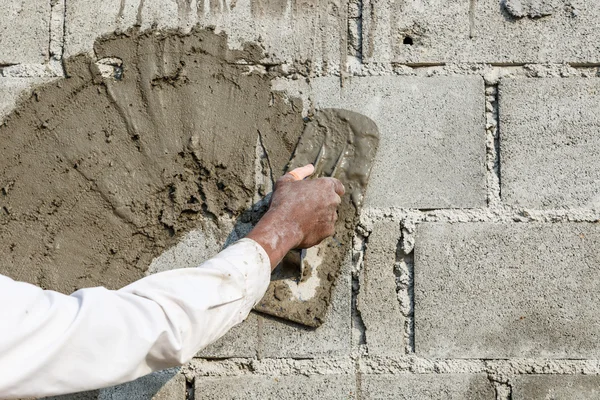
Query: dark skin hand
x=302 y=213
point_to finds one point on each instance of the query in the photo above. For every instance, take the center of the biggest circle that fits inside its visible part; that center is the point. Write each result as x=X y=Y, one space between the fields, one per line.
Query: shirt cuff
x=256 y=269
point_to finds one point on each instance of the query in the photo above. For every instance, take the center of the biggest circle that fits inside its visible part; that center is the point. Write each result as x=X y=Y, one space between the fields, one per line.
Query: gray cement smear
x=530 y=8
x=99 y=174
x=341 y=144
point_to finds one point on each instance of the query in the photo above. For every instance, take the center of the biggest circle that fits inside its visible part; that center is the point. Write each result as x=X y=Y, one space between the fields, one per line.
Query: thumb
x=298 y=174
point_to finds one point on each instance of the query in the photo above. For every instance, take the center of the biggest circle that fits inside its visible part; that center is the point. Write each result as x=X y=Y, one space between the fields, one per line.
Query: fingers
x=338 y=187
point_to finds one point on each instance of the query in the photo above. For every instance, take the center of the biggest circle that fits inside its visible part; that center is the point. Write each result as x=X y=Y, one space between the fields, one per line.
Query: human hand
x=302 y=213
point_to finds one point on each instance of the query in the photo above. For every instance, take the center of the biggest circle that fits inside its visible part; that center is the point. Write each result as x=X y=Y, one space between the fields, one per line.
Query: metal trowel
x=340 y=144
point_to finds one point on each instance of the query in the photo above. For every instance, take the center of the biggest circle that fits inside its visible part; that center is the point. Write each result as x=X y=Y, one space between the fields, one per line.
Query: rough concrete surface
x=531 y=8
x=549 y=387
x=549 y=144
x=305 y=32
x=274 y=387
x=490 y=31
x=485 y=290
x=24 y=32
x=162 y=385
x=241 y=341
x=377 y=299
x=427 y=387
x=432 y=145
x=12 y=89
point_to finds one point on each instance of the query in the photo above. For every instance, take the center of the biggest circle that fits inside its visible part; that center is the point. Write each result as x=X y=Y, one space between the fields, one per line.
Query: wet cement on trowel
x=99 y=175
x=341 y=144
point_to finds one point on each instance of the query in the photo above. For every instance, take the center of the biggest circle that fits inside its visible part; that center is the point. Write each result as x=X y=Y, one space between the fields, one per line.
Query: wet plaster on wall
x=100 y=175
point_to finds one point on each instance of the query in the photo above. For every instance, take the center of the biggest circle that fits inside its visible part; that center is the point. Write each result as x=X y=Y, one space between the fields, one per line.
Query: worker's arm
x=52 y=343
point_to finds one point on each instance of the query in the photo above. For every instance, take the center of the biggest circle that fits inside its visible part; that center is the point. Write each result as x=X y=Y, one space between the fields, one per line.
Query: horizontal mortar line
x=418 y=65
x=409 y=365
x=498 y=213
x=584 y=65
x=510 y=64
x=385 y=360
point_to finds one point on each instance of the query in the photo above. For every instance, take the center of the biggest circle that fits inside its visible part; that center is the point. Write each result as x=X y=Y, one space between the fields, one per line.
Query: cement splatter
x=341 y=144
x=103 y=172
x=529 y=8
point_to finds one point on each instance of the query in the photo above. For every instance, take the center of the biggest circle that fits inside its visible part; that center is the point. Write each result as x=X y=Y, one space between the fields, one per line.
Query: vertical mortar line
x=358 y=265
x=64 y=38
x=358 y=381
x=359 y=37
x=404 y=273
x=56 y=34
x=503 y=390
x=344 y=21
x=493 y=145
x=472 y=7
x=50 y=29
x=190 y=392
x=259 y=334
x=359 y=32
x=409 y=260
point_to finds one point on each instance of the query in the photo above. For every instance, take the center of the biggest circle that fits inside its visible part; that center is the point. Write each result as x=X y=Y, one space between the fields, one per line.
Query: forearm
x=275 y=236
x=53 y=344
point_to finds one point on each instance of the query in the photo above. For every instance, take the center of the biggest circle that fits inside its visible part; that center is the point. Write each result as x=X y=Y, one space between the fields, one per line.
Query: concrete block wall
x=475 y=270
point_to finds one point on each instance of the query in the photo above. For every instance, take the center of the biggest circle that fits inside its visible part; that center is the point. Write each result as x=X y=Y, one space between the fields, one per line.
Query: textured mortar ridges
x=501 y=370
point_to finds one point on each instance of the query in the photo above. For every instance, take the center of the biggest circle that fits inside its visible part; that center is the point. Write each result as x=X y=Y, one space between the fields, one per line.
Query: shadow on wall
x=162 y=385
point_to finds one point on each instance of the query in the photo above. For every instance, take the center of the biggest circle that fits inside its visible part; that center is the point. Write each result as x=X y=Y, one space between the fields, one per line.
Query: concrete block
x=377 y=299
x=280 y=339
x=549 y=144
x=87 y=20
x=240 y=341
x=427 y=387
x=11 y=89
x=91 y=395
x=283 y=387
x=543 y=387
x=493 y=290
x=308 y=31
x=162 y=385
x=299 y=31
x=485 y=31
x=24 y=31
x=432 y=148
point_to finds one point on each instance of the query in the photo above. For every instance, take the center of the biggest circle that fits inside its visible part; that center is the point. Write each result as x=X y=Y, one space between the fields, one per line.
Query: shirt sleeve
x=52 y=343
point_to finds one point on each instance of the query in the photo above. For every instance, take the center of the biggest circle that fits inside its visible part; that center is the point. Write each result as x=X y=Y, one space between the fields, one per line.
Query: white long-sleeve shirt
x=52 y=343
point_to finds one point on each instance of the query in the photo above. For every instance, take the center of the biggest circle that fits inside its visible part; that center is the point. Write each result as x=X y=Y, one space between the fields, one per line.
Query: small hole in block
x=408 y=41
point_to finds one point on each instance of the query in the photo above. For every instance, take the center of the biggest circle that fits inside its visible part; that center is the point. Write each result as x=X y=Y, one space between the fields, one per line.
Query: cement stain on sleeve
x=100 y=175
